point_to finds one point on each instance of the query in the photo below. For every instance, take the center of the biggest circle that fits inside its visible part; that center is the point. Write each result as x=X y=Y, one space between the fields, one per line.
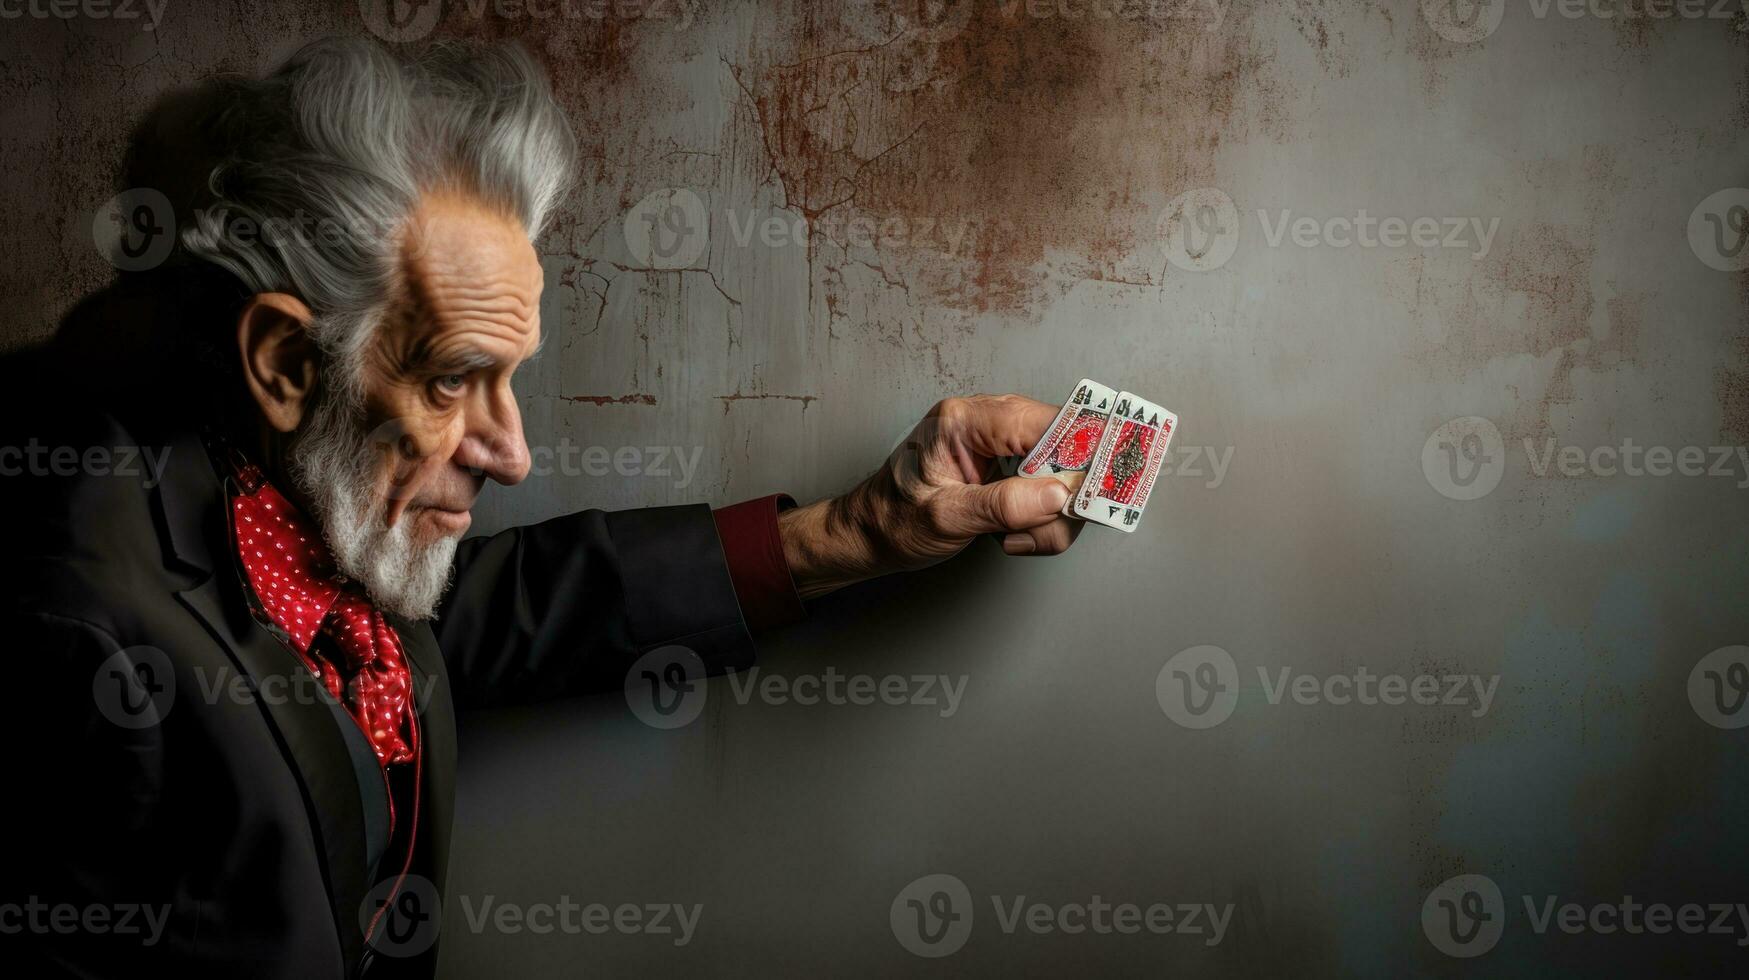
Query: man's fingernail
x=1019 y=544
x=1055 y=495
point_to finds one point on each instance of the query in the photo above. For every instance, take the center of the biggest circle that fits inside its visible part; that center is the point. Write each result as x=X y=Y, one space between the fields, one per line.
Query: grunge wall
x=802 y=224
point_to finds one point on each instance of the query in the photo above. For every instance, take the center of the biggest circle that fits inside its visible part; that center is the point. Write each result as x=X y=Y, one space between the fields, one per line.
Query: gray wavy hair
x=321 y=162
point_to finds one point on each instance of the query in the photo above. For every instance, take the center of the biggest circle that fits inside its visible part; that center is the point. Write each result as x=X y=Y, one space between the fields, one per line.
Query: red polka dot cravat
x=292 y=573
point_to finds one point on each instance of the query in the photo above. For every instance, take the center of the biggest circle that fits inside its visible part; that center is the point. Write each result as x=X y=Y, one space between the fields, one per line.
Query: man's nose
x=496 y=447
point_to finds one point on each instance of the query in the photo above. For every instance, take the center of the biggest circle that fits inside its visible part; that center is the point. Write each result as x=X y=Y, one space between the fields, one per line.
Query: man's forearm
x=827 y=544
x=930 y=500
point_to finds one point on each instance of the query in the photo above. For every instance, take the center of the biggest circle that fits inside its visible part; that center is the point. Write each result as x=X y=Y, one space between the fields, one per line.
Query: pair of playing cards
x=1106 y=446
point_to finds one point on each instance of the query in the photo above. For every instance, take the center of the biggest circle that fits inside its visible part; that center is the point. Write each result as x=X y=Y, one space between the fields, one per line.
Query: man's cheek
x=397 y=458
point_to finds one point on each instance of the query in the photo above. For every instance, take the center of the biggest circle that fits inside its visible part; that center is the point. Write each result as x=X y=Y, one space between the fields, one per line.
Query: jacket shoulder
x=88 y=544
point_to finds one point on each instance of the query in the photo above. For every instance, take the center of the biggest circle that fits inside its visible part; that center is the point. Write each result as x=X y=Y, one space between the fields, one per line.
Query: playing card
x=1126 y=463
x=1067 y=447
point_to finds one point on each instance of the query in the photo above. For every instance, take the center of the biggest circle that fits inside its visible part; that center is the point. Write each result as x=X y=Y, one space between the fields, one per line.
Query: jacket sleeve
x=84 y=834
x=568 y=605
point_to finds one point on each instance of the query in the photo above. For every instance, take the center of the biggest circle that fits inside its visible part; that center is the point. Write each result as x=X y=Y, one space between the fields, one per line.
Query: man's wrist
x=829 y=543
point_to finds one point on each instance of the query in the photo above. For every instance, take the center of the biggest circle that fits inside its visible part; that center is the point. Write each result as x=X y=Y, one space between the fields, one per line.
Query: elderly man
x=294 y=573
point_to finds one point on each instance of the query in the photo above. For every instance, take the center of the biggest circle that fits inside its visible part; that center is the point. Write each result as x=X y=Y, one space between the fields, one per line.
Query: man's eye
x=452 y=383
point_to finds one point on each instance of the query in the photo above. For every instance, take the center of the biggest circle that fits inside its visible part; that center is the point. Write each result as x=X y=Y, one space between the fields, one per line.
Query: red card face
x=1068 y=446
x=1075 y=450
x=1129 y=463
x=1124 y=466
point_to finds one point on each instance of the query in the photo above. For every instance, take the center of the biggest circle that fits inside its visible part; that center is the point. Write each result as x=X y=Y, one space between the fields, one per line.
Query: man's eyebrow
x=467 y=359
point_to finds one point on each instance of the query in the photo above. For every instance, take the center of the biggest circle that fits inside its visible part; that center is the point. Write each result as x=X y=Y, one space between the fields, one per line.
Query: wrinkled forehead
x=471 y=279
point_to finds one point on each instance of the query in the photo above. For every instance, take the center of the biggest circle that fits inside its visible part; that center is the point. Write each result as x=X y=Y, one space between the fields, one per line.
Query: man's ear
x=280 y=359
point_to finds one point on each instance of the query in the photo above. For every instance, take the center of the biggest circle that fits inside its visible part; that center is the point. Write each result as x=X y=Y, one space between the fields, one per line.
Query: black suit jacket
x=242 y=815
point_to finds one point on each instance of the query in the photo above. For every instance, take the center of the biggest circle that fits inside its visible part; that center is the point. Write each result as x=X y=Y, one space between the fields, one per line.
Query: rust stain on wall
x=737 y=396
x=1733 y=393
x=1531 y=296
x=632 y=399
x=1036 y=144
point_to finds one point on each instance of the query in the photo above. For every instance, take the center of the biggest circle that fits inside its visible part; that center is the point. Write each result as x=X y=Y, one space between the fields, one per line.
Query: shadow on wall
x=150 y=346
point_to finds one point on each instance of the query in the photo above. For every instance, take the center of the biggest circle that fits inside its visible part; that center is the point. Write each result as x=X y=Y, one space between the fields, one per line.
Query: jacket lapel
x=437 y=736
x=191 y=504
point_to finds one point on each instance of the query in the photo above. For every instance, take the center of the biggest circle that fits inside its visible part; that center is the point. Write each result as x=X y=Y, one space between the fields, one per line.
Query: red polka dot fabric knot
x=296 y=584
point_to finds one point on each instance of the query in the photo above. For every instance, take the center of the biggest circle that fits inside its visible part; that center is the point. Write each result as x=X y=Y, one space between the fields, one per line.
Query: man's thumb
x=1014 y=504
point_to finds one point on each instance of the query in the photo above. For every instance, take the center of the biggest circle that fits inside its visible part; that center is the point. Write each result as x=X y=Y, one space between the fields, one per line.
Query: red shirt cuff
x=757 y=568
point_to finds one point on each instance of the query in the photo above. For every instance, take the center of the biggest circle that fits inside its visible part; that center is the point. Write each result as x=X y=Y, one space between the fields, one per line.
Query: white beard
x=335 y=463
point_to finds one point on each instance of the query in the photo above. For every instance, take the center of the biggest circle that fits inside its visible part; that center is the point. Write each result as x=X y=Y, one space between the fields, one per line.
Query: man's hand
x=931 y=499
